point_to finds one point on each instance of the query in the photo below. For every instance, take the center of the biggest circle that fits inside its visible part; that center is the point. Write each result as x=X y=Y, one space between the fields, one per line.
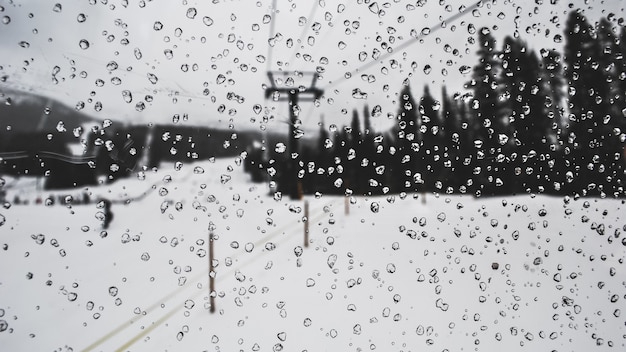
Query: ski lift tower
x=285 y=86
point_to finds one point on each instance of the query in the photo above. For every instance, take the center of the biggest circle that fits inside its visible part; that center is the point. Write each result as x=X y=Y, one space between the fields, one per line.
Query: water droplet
x=298 y=251
x=224 y=179
x=280 y=148
x=465 y=69
x=127 y=95
x=358 y=94
x=441 y=304
x=373 y=7
x=192 y=12
x=152 y=78
x=112 y=66
x=332 y=259
x=81 y=18
x=208 y=21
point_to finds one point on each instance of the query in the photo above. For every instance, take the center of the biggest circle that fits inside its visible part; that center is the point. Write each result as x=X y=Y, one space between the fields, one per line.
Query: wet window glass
x=437 y=175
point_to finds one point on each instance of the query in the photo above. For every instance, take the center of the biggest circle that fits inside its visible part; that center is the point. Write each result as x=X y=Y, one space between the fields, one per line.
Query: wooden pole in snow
x=211 y=275
x=306 y=223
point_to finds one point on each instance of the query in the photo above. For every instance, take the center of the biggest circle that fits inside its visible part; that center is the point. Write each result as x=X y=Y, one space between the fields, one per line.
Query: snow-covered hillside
x=453 y=273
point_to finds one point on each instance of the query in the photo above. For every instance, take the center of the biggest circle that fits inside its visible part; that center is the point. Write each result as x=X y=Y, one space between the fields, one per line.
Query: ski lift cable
x=402 y=46
x=305 y=31
x=329 y=32
x=181 y=91
x=409 y=42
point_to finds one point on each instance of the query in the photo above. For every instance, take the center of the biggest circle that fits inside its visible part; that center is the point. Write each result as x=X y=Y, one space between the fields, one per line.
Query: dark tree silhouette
x=407 y=143
x=370 y=181
x=611 y=157
x=488 y=123
x=526 y=96
x=449 y=142
x=551 y=123
x=429 y=154
x=587 y=90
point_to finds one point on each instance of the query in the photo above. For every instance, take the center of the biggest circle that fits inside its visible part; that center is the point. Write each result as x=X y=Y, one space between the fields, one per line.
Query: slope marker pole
x=306 y=223
x=211 y=275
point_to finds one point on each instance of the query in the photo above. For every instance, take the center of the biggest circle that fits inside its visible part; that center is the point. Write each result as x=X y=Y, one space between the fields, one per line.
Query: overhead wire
x=406 y=44
x=304 y=32
x=308 y=116
x=403 y=46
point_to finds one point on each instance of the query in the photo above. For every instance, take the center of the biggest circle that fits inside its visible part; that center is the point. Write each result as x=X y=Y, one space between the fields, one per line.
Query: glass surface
x=430 y=175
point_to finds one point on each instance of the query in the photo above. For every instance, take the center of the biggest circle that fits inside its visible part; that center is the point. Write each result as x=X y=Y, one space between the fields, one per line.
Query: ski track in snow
x=393 y=275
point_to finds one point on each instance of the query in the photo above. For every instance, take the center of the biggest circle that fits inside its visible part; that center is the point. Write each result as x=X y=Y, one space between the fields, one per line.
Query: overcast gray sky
x=219 y=47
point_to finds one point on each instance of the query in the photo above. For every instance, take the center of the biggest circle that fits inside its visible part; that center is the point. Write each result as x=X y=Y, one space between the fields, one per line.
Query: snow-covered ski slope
x=455 y=273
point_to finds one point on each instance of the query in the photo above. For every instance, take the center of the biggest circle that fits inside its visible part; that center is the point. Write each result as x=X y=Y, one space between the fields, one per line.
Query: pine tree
x=323 y=158
x=450 y=140
x=407 y=143
x=429 y=154
x=526 y=95
x=587 y=103
x=620 y=62
x=371 y=180
x=552 y=77
x=611 y=155
x=367 y=123
x=355 y=155
x=553 y=81
x=466 y=156
x=487 y=124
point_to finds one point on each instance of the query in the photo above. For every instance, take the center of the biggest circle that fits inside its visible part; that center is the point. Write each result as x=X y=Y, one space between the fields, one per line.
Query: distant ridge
x=22 y=111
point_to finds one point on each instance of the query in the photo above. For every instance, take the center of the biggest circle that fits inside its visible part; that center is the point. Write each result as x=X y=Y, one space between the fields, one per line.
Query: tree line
x=533 y=122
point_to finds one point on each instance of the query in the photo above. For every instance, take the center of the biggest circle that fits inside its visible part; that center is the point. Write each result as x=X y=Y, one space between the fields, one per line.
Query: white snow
x=144 y=285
